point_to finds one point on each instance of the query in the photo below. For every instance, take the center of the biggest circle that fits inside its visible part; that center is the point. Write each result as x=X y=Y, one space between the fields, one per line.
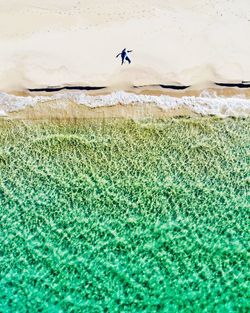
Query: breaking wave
x=205 y=104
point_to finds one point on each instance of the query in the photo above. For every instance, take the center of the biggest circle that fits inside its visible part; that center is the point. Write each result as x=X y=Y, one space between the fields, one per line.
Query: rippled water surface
x=123 y=216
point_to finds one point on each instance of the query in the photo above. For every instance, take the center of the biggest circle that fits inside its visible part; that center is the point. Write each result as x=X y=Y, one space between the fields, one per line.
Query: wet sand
x=70 y=110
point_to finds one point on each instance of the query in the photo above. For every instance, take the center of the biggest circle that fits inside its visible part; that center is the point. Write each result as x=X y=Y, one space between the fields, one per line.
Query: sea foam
x=205 y=104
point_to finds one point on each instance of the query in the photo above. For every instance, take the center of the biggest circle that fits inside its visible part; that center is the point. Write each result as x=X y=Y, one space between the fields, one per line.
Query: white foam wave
x=205 y=104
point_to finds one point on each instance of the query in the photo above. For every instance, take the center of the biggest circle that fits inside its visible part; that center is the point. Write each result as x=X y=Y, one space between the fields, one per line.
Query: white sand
x=54 y=42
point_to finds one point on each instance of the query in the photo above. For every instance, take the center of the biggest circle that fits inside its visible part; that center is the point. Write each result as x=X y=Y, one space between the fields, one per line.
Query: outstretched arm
x=129 y=50
x=118 y=55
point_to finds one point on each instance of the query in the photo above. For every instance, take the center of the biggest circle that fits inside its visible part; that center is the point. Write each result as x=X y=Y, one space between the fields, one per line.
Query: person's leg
x=123 y=59
x=128 y=59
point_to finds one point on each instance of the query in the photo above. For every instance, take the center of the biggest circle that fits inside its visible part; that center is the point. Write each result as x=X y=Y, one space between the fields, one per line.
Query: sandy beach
x=191 y=42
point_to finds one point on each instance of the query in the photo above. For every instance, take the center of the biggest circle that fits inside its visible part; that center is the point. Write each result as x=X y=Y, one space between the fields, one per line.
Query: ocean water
x=123 y=216
x=207 y=103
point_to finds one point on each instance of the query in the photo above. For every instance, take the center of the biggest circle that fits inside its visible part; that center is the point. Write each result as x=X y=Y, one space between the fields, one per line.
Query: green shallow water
x=123 y=216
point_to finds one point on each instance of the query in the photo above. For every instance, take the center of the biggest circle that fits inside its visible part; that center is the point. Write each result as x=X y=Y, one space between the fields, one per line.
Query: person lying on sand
x=124 y=55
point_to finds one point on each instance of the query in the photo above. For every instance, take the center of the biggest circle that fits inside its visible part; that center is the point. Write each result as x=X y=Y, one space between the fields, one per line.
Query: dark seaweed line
x=243 y=84
x=53 y=89
x=239 y=85
x=176 y=87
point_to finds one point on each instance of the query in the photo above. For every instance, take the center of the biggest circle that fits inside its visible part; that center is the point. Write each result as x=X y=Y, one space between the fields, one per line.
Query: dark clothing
x=124 y=56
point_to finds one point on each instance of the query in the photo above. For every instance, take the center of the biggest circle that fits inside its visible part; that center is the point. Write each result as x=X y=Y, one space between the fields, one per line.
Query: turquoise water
x=123 y=216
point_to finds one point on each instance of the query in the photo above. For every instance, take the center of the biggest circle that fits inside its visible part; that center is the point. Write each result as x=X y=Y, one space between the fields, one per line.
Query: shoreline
x=137 y=103
x=50 y=111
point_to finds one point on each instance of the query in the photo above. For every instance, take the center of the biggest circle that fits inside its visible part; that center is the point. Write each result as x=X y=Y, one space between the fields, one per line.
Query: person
x=124 y=55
